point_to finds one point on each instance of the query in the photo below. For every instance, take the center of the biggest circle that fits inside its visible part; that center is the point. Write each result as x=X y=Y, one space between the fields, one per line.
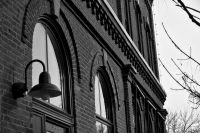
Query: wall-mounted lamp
x=44 y=89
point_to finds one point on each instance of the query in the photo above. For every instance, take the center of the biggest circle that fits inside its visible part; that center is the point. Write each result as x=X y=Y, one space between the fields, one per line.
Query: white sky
x=186 y=34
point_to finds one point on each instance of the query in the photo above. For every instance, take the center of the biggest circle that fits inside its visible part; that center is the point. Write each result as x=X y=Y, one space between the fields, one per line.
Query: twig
x=193 y=93
x=189 y=14
x=189 y=8
x=186 y=74
x=178 y=47
x=172 y=75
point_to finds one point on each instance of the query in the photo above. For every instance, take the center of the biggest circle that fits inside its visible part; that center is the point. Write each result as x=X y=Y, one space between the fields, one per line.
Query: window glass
x=99 y=99
x=54 y=71
x=44 y=51
x=101 y=128
x=98 y=127
x=51 y=128
x=139 y=29
x=37 y=124
x=103 y=106
x=97 y=102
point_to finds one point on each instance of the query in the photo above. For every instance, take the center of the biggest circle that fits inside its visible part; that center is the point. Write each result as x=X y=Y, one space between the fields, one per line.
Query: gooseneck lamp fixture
x=43 y=90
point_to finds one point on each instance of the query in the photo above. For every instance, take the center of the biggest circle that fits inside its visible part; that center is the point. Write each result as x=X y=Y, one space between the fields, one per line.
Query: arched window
x=50 y=46
x=127 y=17
x=43 y=50
x=103 y=105
x=137 y=98
x=138 y=120
x=150 y=49
x=139 y=28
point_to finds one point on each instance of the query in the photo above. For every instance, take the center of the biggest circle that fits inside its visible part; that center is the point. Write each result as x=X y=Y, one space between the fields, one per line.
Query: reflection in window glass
x=98 y=127
x=44 y=51
x=105 y=129
x=97 y=102
x=103 y=122
x=51 y=128
x=101 y=128
x=99 y=99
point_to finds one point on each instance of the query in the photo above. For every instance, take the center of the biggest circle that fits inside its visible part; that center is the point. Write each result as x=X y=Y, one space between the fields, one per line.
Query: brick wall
x=15 y=115
x=90 y=47
x=15 y=54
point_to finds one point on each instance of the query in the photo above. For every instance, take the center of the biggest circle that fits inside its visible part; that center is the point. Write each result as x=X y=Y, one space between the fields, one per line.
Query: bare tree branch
x=192 y=92
x=193 y=81
x=173 y=76
x=175 y=2
x=182 y=122
x=179 y=47
x=189 y=14
x=196 y=17
x=190 y=8
x=188 y=83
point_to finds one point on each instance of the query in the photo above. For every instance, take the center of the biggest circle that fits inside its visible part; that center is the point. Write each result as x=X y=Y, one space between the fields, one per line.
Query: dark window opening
x=103 y=105
x=150 y=49
x=139 y=29
x=127 y=14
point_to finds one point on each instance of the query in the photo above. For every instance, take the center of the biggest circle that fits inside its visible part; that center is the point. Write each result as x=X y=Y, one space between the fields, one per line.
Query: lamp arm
x=36 y=60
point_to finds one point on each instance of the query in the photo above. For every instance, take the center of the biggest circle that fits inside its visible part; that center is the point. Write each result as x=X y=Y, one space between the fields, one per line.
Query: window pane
x=97 y=102
x=101 y=128
x=37 y=124
x=98 y=127
x=44 y=51
x=39 y=50
x=102 y=101
x=99 y=99
x=51 y=128
x=54 y=71
x=106 y=129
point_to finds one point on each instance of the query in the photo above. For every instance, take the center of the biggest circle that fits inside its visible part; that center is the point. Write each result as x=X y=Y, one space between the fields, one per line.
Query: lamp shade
x=44 y=89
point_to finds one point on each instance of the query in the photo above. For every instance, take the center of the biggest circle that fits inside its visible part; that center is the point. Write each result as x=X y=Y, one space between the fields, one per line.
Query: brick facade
x=93 y=36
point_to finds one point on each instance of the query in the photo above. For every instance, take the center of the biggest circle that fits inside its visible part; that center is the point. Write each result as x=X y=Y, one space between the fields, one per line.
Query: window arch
x=138 y=108
x=138 y=118
x=139 y=28
x=150 y=49
x=103 y=104
x=49 y=45
x=43 y=49
x=149 y=127
x=150 y=124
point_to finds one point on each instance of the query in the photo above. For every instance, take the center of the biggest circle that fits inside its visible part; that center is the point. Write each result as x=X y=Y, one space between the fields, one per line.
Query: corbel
x=120 y=42
x=113 y=32
x=110 y=27
x=102 y=19
x=93 y=7
x=117 y=38
x=106 y=25
x=88 y=3
x=98 y=13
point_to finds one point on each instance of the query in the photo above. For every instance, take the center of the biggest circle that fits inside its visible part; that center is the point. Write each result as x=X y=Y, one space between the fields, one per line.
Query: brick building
x=101 y=54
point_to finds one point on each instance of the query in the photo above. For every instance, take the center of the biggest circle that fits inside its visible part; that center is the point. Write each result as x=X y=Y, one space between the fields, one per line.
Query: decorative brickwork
x=88 y=38
x=123 y=44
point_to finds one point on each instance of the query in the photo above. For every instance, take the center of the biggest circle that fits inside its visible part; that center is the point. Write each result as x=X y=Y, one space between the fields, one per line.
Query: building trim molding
x=126 y=45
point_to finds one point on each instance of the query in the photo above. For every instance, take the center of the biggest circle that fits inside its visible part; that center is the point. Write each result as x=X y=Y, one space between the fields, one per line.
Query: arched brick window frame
x=139 y=27
x=105 y=109
x=46 y=117
x=138 y=119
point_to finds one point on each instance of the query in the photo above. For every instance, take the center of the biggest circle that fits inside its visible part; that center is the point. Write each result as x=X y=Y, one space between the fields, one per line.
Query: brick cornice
x=128 y=72
x=115 y=30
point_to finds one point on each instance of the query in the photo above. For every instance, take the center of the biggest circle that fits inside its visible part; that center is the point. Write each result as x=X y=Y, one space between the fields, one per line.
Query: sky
x=186 y=35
